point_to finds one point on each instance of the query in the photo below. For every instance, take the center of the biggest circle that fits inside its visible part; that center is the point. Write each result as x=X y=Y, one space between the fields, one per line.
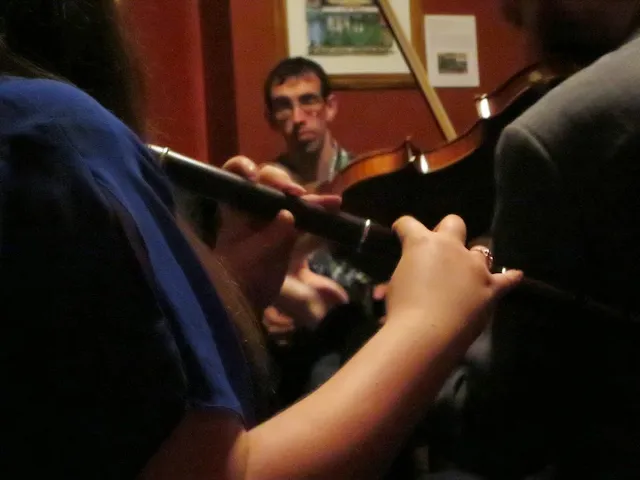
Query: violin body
x=454 y=178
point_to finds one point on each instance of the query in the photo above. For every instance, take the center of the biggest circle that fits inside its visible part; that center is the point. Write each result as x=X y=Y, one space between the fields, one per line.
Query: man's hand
x=304 y=301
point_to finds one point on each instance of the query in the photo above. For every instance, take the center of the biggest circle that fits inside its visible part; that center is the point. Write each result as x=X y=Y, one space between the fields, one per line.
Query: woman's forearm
x=353 y=425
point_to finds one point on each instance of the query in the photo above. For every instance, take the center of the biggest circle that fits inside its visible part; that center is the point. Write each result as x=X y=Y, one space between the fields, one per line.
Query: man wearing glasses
x=300 y=106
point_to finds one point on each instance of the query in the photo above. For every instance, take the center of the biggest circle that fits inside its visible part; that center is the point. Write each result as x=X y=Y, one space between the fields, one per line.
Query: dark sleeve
x=499 y=410
x=91 y=376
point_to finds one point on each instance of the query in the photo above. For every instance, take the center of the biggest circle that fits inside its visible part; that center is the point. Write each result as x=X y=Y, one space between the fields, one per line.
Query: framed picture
x=351 y=39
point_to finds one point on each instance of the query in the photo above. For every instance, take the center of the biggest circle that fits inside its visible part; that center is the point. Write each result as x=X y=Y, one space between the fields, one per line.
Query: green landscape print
x=347 y=27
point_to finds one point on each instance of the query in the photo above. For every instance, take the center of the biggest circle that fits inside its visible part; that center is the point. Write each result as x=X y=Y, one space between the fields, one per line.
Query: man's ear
x=331 y=107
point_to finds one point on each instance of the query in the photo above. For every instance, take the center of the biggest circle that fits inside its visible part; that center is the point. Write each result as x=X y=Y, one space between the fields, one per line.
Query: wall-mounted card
x=452 y=50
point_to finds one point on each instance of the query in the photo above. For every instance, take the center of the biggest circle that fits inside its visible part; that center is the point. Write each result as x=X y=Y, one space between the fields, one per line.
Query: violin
x=456 y=177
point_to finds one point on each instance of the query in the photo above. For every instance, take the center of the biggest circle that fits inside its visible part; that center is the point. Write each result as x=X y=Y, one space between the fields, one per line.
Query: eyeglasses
x=282 y=107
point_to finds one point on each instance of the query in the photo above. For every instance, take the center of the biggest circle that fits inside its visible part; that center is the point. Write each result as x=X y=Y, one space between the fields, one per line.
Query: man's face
x=577 y=29
x=300 y=113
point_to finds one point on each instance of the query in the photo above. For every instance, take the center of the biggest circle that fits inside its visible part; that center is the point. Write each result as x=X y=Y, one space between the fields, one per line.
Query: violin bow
x=418 y=70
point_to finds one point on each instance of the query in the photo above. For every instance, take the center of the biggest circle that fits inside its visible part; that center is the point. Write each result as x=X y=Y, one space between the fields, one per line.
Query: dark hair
x=294 y=67
x=77 y=41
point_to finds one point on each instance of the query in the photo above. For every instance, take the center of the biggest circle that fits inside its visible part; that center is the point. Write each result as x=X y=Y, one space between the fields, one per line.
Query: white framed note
x=452 y=50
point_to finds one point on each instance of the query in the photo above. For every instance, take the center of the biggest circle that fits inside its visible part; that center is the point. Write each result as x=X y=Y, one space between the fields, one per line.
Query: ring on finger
x=488 y=256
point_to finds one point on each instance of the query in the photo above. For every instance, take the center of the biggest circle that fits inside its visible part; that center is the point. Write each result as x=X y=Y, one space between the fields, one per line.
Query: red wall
x=372 y=119
x=206 y=60
x=167 y=34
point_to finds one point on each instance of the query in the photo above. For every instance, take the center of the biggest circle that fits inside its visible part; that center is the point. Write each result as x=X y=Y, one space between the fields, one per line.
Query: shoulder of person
x=37 y=94
x=67 y=129
x=49 y=108
x=598 y=102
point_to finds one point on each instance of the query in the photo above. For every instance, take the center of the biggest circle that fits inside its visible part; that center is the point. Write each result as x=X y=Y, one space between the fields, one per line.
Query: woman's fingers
x=243 y=166
x=453 y=226
x=507 y=280
x=438 y=253
x=484 y=254
x=331 y=203
x=238 y=224
x=280 y=233
x=277 y=178
x=407 y=228
x=266 y=174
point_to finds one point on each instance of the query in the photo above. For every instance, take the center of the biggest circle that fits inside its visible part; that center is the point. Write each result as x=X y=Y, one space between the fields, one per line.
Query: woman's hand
x=439 y=290
x=257 y=252
x=439 y=278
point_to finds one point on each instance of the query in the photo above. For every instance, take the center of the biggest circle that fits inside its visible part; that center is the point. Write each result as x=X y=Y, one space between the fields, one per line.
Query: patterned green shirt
x=341 y=159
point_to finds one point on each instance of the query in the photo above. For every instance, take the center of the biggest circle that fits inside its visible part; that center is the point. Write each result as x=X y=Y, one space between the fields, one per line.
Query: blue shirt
x=98 y=361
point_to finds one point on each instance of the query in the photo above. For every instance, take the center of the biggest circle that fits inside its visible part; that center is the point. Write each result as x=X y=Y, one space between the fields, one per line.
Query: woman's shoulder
x=29 y=102
x=59 y=113
x=34 y=91
x=63 y=122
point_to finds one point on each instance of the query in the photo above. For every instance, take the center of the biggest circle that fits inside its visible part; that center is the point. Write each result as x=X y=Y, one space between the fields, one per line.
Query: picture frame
x=342 y=36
